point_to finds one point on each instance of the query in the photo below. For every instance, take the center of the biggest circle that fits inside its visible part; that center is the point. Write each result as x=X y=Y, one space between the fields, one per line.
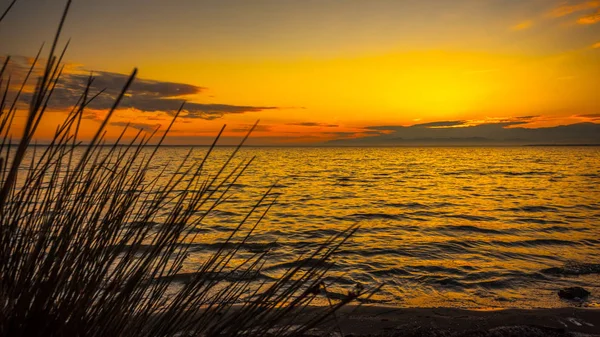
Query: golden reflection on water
x=470 y=227
x=466 y=227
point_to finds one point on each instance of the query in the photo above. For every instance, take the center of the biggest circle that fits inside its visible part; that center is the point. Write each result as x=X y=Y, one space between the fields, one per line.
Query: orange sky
x=317 y=70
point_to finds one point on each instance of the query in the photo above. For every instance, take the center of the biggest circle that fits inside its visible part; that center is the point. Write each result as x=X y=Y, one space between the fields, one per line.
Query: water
x=465 y=227
x=461 y=227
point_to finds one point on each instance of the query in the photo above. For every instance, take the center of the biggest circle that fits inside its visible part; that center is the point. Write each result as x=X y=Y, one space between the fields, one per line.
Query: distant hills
x=455 y=133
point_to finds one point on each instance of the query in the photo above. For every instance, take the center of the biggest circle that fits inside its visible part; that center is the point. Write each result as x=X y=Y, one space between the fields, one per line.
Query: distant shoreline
x=350 y=146
x=564 y=145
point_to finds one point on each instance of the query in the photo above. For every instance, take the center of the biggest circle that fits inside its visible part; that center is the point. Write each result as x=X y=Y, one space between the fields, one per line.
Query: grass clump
x=92 y=238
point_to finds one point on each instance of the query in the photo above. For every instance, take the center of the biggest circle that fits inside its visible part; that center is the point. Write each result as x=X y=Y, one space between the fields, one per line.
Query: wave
x=220 y=213
x=573 y=269
x=249 y=246
x=342 y=296
x=306 y=262
x=534 y=209
x=408 y=205
x=556 y=229
x=592 y=206
x=214 y=276
x=443 y=249
x=380 y=252
x=516 y=173
x=445 y=281
x=238 y=185
x=426 y=213
x=432 y=269
x=540 y=221
x=372 y=216
x=468 y=229
x=535 y=242
x=201 y=247
x=471 y=217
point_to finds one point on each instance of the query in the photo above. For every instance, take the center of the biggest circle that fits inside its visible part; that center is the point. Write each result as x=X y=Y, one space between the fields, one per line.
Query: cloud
x=156 y=118
x=430 y=125
x=324 y=125
x=522 y=119
x=347 y=135
x=589 y=19
x=439 y=124
x=596 y=45
x=594 y=117
x=501 y=132
x=246 y=128
x=113 y=82
x=144 y=95
x=215 y=111
x=141 y=126
x=522 y=26
x=570 y=7
x=455 y=124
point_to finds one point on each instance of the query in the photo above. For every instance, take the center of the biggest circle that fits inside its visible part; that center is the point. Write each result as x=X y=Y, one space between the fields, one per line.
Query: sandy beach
x=389 y=321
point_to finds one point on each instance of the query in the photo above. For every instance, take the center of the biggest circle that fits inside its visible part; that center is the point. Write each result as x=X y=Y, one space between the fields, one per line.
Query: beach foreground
x=389 y=321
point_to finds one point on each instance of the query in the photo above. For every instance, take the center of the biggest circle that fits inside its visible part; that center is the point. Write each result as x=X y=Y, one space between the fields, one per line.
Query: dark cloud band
x=502 y=132
x=144 y=95
x=324 y=125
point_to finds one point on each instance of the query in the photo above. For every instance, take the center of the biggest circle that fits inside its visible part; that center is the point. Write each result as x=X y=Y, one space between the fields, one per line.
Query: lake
x=466 y=227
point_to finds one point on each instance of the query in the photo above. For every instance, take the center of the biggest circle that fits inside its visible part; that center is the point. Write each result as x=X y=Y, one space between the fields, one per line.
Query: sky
x=320 y=71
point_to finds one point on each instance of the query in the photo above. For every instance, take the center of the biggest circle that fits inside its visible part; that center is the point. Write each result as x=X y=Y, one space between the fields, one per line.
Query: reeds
x=92 y=238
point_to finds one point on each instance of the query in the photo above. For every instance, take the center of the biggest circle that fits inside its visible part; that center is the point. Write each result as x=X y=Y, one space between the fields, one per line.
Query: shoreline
x=369 y=320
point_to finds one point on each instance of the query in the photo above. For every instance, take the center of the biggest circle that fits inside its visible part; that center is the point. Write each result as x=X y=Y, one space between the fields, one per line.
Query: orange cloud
x=590 y=19
x=567 y=8
x=523 y=25
x=596 y=45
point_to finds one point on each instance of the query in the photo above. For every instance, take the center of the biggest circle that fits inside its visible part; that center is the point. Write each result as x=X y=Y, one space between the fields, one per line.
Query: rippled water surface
x=467 y=227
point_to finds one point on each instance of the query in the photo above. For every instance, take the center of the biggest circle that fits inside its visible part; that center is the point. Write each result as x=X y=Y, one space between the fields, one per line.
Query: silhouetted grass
x=91 y=243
